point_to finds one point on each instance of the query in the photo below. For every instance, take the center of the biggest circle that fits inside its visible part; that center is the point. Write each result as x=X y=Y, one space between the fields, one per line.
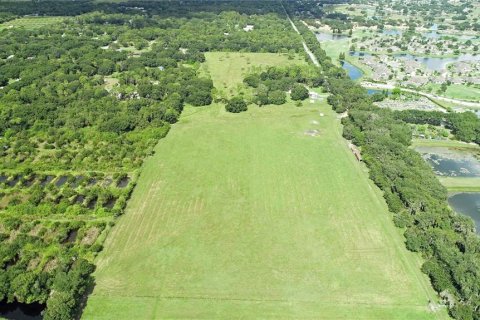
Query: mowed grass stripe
x=244 y=216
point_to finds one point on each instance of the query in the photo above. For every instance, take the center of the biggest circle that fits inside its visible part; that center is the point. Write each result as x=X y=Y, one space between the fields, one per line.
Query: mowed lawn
x=245 y=216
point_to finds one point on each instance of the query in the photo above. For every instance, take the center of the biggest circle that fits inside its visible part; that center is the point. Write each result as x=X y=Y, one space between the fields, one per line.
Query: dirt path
x=305 y=47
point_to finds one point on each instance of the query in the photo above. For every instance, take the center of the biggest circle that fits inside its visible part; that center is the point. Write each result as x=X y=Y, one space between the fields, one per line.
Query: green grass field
x=31 y=23
x=333 y=48
x=445 y=143
x=244 y=216
x=457 y=184
x=459 y=91
x=228 y=69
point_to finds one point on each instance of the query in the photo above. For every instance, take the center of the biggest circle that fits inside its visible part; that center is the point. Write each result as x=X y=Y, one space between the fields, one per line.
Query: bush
x=277 y=97
x=252 y=80
x=236 y=105
x=299 y=92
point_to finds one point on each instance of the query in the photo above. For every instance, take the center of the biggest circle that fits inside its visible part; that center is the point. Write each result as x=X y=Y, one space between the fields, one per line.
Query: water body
x=434 y=64
x=467 y=204
x=359 y=54
x=373 y=91
x=434 y=34
x=392 y=32
x=353 y=72
x=451 y=163
x=325 y=36
x=438 y=64
x=21 y=311
x=123 y=182
x=431 y=35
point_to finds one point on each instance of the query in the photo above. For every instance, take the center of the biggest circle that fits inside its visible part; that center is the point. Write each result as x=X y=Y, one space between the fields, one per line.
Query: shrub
x=236 y=105
x=277 y=97
x=299 y=92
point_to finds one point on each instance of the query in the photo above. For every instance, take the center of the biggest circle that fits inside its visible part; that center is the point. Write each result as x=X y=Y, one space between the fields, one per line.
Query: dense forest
x=82 y=103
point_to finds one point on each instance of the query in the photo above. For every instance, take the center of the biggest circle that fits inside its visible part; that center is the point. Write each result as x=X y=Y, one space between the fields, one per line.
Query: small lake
x=438 y=64
x=353 y=72
x=467 y=204
x=392 y=32
x=451 y=163
x=434 y=64
x=21 y=311
x=325 y=36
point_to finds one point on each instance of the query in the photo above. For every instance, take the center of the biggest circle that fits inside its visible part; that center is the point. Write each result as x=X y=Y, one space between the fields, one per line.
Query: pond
x=374 y=91
x=72 y=236
x=467 y=204
x=92 y=203
x=438 y=64
x=79 y=199
x=47 y=180
x=21 y=311
x=122 y=183
x=434 y=64
x=392 y=32
x=450 y=162
x=434 y=34
x=12 y=182
x=110 y=203
x=61 y=181
x=353 y=72
x=28 y=183
x=75 y=183
x=431 y=35
x=324 y=36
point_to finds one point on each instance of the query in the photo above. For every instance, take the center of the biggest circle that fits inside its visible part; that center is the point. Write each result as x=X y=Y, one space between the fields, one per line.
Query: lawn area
x=333 y=48
x=457 y=184
x=244 y=216
x=459 y=91
x=445 y=143
x=31 y=23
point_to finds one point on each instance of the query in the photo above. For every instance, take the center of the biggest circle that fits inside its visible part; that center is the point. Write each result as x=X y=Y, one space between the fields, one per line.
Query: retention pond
x=467 y=204
x=21 y=311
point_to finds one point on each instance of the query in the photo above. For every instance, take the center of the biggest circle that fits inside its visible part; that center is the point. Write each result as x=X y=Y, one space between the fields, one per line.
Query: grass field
x=31 y=23
x=458 y=91
x=228 y=69
x=445 y=143
x=457 y=184
x=244 y=216
x=333 y=48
